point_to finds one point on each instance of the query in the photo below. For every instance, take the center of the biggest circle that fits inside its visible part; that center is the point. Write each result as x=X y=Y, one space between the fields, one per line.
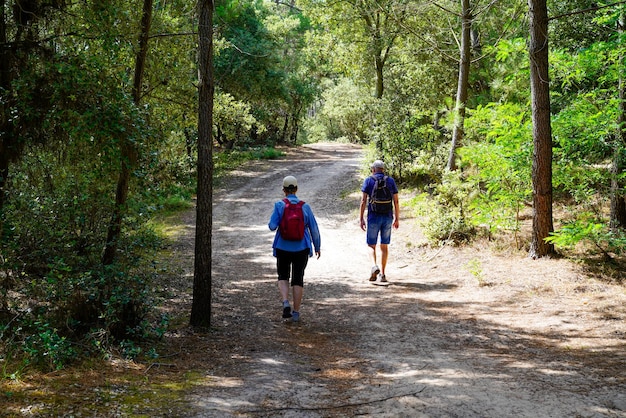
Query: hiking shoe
x=295 y=316
x=375 y=271
x=286 y=311
x=382 y=278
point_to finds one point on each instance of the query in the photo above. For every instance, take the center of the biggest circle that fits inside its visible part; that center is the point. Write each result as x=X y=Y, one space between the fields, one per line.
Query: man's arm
x=362 y=210
x=396 y=206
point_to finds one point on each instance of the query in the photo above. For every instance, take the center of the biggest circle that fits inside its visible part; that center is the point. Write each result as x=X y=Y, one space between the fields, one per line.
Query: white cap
x=290 y=182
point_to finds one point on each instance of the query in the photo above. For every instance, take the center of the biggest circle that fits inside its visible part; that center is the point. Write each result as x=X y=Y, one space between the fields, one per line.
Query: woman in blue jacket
x=292 y=256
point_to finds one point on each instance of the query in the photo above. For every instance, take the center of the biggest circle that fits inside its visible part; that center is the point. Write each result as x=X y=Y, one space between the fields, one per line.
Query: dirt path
x=459 y=333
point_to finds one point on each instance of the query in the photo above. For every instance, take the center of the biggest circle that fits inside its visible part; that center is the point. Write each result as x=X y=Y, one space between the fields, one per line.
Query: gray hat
x=290 y=182
x=378 y=164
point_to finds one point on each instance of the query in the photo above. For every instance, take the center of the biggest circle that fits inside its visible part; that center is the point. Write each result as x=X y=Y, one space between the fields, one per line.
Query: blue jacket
x=311 y=238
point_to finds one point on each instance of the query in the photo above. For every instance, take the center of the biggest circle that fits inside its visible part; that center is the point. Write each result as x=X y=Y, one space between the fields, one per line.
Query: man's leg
x=375 y=269
x=373 y=229
x=372 y=253
x=385 y=239
x=384 y=250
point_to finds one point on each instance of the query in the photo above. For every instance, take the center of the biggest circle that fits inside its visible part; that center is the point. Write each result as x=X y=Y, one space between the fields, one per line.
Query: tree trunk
x=380 y=84
x=5 y=84
x=376 y=22
x=201 y=305
x=618 y=202
x=542 y=130
x=462 y=86
x=284 y=135
x=4 y=174
x=129 y=153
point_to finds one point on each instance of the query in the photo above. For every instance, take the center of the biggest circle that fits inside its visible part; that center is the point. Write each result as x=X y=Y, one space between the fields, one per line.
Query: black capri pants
x=292 y=264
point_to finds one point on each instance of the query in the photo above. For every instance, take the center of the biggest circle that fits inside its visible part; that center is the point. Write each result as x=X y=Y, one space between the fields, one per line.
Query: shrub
x=447 y=219
x=45 y=348
x=587 y=228
x=497 y=159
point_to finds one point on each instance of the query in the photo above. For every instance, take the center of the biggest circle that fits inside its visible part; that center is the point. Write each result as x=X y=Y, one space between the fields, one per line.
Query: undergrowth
x=58 y=304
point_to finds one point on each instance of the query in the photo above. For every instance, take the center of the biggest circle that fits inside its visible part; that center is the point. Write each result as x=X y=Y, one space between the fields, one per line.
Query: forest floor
x=471 y=331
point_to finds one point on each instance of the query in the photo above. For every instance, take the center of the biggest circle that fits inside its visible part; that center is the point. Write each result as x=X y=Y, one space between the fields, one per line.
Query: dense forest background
x=99 y=134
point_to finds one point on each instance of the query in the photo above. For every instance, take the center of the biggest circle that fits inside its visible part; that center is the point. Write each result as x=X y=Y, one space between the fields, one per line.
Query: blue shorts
x=379 y=225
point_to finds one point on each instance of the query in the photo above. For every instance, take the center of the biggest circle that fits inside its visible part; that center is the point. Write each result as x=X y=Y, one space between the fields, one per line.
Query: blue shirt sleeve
x=277 y=214
x=393 y=187
x=313 y=229
x=367 y=185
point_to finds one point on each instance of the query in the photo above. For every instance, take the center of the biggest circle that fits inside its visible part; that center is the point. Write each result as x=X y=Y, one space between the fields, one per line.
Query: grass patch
x=101 y=388
x=226 y=161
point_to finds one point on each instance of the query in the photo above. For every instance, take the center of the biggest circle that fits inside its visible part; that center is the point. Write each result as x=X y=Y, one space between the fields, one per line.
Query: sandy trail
x=540 y=339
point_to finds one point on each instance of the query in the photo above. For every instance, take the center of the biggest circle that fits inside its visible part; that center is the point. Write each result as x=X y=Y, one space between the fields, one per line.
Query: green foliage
x=45 y=348
x=347 y=112
x=246 y=59
x=495 y=182
x=130 y=350
x=401 y=135
x=579 y=31
x=65 y=111
x=498 y=158
x=66 y=107
x=588 y=229
x=261 y=68
x=476 y=269
x=234 y=120
x=57 y=216
x=584 y=128
x=407 y=141
x=447 y=220
x=511 y=73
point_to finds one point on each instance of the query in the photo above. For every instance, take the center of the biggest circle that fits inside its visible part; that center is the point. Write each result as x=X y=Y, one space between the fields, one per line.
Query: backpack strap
x=287 y=202
x=375 y=186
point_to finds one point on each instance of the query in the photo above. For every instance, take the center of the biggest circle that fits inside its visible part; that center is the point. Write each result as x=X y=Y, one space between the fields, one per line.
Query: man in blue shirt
x=292 y=256
x=379 y=221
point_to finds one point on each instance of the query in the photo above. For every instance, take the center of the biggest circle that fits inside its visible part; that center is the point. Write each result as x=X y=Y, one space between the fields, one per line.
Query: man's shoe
x=375 y=271
x=295 y=316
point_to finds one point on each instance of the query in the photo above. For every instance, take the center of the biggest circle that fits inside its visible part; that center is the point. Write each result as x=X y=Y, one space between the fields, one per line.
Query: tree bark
x=382 y=33
x=4 y=174
x=618 y=200
x=5 y=84
x=201 y=305
x=542 y=130
x=129 y=153
x=380 y=83
x=462 y=85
